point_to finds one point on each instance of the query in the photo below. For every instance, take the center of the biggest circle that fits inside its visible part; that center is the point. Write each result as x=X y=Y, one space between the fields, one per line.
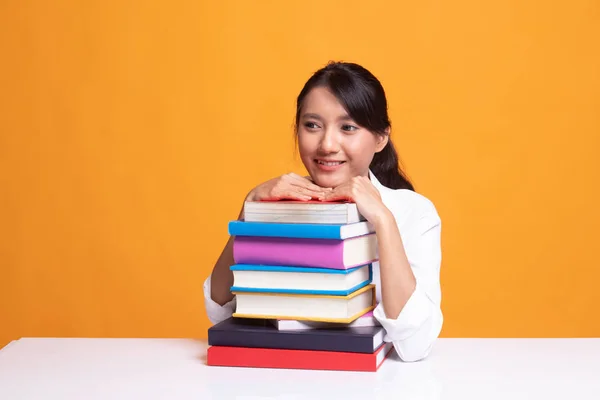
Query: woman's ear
x=382 y=140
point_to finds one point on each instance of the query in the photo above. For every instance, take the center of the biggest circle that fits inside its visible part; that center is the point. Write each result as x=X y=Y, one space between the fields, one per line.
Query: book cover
x=260 y=333
x=297 y=359
x=299 y=280
x=325 y=308
x=307 y=231
x=319 y=253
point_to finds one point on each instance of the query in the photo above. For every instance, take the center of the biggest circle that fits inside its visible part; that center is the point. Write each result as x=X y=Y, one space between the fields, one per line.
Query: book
x=309 y=231
x=290 y=279
x=318 y=253
x=260 y=333
x=367 y=319
x=297 y=359
x=307 y=307
x=297 y=211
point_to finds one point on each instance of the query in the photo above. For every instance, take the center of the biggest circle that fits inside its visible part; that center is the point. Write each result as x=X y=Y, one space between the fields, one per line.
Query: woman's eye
x=311 y=125
x=349 y=128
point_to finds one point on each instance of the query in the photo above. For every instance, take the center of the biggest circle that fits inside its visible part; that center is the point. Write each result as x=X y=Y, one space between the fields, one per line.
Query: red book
x=226 y=356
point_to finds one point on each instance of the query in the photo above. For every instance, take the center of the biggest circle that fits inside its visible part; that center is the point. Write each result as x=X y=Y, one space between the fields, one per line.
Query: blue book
x=306 y=231
x=300 y=280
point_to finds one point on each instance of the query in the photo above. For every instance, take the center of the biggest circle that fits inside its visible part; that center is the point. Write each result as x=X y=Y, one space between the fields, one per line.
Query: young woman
x=343 y=132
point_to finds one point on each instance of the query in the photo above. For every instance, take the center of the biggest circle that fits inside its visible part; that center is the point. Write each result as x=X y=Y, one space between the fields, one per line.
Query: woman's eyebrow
x=343 y=117
x=312 y=115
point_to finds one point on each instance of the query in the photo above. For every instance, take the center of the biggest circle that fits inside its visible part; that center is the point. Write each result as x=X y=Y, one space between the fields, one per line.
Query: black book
x=260 y=333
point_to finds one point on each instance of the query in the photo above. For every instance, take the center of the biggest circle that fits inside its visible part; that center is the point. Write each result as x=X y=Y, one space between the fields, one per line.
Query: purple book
x=320 y=253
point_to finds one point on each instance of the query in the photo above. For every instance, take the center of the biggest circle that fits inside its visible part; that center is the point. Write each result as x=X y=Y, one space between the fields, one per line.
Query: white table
x=37 y=368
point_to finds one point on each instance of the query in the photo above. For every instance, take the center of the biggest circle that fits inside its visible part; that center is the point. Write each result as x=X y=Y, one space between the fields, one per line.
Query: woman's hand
x=361 y=191
x=289 y=186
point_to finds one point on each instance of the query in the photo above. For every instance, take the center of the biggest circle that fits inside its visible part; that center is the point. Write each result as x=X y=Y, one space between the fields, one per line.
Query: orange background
x=129 y=134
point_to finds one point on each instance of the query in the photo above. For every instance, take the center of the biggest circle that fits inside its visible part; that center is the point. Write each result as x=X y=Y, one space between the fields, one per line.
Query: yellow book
x=305 y=307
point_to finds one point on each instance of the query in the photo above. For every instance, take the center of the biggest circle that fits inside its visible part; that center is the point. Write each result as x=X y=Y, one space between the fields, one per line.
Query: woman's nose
x=329 y=142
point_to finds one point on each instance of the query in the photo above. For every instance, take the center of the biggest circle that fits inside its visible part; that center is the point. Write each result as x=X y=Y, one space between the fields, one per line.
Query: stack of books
x=303 y=284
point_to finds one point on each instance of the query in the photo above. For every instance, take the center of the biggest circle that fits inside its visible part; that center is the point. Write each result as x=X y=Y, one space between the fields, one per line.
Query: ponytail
x=385 y=166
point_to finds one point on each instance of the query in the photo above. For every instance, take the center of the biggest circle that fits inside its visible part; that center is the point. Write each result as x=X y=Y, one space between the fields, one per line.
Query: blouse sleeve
x=418 y=325
x=216 y=313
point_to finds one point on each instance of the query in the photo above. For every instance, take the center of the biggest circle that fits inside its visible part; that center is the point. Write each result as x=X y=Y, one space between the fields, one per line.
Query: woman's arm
x=221 y=277
x=409 y=266
x=219 y=302
x=410 y=309
x=397 y=279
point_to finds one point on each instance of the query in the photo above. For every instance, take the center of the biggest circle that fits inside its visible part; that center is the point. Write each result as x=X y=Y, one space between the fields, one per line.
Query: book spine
x=290 y=359
x=320 y=253
x=289 y=341
x=300 y=231
x=301 y=291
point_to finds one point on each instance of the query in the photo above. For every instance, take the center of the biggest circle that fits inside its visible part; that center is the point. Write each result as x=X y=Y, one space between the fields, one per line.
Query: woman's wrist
x=383 y=219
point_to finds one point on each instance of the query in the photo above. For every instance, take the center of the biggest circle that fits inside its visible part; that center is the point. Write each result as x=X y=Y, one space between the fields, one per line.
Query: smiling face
x=332 y=146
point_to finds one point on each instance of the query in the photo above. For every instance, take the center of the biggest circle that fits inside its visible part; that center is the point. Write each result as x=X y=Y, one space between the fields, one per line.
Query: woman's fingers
x=337 y=197
x=339 y=193
x=292 y=192
x=310 y=192
x=294 y=187
x=294 y=195
x=305 y=183
x=293 y=182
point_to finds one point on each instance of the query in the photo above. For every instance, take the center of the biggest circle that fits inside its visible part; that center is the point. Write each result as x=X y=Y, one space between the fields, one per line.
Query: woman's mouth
x=329 y=165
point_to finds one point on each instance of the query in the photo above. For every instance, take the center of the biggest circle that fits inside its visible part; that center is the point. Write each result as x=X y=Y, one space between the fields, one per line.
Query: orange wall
x=130 y=133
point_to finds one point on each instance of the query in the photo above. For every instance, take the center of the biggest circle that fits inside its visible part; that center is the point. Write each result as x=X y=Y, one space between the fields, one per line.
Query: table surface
x=77 y=368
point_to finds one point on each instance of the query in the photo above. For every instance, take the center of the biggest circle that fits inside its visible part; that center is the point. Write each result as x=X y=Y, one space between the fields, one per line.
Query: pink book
x=318 y=253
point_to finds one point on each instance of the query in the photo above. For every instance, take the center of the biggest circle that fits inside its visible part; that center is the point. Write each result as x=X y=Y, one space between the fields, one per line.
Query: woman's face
x=332 y=146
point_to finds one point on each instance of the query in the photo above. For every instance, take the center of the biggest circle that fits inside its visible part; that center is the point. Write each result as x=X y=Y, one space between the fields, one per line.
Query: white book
x=305 y=307
x=295 y=325
x=314 y=212
x=289 y=279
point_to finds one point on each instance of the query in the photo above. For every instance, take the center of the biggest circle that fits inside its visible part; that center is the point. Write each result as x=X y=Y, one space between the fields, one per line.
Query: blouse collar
x=375 y=181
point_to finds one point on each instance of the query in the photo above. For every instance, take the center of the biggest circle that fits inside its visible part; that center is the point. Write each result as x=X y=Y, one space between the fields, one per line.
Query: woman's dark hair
x=363 y=97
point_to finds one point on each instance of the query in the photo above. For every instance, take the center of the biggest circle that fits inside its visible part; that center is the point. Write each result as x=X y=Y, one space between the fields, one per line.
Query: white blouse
x=419 y=324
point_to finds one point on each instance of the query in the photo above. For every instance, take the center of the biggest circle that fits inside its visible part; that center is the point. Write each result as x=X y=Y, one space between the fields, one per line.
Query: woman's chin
x=327 y=181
